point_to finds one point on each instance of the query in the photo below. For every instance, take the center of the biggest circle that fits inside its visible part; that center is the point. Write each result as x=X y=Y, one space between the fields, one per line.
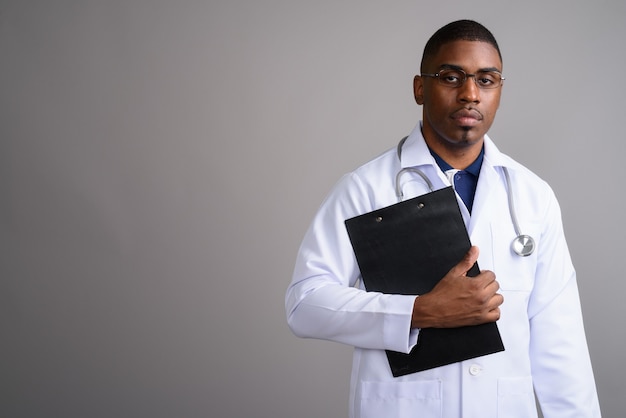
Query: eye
x=451 y=77
x=488 y=79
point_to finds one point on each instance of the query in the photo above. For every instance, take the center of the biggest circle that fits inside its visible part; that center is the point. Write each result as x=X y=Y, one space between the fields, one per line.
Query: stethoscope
x=522 y=245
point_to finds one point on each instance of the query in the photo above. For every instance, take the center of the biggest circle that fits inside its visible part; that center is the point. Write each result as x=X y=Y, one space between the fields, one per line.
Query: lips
x=467 y=116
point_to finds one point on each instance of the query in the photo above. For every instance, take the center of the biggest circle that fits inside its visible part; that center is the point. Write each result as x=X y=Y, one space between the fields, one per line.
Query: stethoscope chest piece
x=523 y=245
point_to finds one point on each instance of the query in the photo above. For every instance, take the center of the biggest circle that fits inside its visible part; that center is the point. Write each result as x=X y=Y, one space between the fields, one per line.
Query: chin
x=469 y=136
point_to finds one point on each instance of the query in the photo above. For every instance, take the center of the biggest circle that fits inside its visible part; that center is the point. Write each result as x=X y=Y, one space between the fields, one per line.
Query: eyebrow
x=458 y=67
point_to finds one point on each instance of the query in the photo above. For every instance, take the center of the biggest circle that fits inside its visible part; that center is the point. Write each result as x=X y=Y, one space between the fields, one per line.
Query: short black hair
x=460 y=30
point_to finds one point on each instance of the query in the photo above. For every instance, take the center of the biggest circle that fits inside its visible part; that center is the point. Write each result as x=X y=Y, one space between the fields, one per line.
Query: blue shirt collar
x=473 y=168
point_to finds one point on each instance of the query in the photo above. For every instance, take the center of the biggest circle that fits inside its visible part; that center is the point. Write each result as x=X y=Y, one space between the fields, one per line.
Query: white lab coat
x=541 y=322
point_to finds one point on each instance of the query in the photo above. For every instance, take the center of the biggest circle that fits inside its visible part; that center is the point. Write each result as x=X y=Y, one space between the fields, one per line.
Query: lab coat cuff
x=398 y=333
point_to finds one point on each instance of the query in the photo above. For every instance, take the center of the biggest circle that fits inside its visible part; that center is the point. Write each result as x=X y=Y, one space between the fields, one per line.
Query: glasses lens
x=488 y=79
x=451 y=78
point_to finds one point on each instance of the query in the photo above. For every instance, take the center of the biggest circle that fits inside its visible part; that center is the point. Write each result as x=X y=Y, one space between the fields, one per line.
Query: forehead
x=469 y=55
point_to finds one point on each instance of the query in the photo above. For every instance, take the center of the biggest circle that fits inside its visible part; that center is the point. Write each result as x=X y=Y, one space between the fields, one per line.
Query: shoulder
x=365 y=188
x=383 y=162
x=522 y=176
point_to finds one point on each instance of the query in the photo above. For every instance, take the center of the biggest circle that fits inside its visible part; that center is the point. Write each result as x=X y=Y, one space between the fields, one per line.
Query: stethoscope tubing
x=522 y=245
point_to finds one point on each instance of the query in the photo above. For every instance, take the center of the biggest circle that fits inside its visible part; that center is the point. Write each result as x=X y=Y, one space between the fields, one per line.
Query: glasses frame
x=437 y=75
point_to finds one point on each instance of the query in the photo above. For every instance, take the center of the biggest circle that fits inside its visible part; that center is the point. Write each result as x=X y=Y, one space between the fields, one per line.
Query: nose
x=469 y=91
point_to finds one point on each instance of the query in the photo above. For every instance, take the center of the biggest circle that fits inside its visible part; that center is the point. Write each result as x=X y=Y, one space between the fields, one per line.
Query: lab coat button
x=475 y=369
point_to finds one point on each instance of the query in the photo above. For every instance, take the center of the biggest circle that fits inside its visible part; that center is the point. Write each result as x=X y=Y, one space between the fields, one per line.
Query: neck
x=459 y=156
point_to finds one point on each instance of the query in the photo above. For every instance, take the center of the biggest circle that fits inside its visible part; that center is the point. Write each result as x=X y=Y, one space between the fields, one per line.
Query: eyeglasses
x=456 y=78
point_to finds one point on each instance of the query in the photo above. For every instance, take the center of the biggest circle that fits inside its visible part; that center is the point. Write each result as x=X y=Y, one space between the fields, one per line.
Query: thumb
x=467 y=261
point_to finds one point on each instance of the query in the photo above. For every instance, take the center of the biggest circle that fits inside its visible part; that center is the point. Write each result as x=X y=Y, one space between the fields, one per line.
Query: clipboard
x=406 y=248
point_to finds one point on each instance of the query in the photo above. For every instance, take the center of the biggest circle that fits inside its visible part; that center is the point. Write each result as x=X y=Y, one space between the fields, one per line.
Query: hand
x=458 y=300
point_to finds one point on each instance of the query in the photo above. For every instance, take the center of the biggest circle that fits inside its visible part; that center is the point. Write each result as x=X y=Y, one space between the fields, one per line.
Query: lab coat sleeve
x=561 y=367
x=323 y=301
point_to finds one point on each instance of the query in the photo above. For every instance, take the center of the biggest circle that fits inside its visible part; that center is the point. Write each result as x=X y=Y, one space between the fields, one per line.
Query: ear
x=418 y=89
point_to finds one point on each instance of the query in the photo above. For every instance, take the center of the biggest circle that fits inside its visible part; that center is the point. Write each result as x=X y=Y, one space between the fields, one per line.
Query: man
x=534 y=299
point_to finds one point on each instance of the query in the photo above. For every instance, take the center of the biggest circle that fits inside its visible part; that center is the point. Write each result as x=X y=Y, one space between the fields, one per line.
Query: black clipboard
x=406 y=248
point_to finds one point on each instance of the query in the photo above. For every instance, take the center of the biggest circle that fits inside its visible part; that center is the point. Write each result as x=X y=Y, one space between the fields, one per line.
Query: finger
x=494 y=314
x=495 y=302
x=490 y=282
x=467 y=261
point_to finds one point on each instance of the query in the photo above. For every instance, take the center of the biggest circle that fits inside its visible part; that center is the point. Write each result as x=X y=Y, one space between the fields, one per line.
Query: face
x=456 y=119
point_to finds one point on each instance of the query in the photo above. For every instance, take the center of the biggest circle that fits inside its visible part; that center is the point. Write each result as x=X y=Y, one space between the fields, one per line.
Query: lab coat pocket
x=401 y=399
x=516 y=397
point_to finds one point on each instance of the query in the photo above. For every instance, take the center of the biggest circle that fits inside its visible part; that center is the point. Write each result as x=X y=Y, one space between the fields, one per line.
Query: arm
x=562 y=372
x=323 y=300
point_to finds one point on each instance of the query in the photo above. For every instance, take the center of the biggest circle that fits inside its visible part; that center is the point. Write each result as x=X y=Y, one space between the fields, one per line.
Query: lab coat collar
x=415 y=152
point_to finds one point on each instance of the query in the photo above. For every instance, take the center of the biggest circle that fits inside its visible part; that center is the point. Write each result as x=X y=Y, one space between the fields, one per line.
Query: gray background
x=161 y=160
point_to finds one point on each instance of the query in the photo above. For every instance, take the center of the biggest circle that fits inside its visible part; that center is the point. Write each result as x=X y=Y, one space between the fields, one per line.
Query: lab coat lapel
x=487 y=204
